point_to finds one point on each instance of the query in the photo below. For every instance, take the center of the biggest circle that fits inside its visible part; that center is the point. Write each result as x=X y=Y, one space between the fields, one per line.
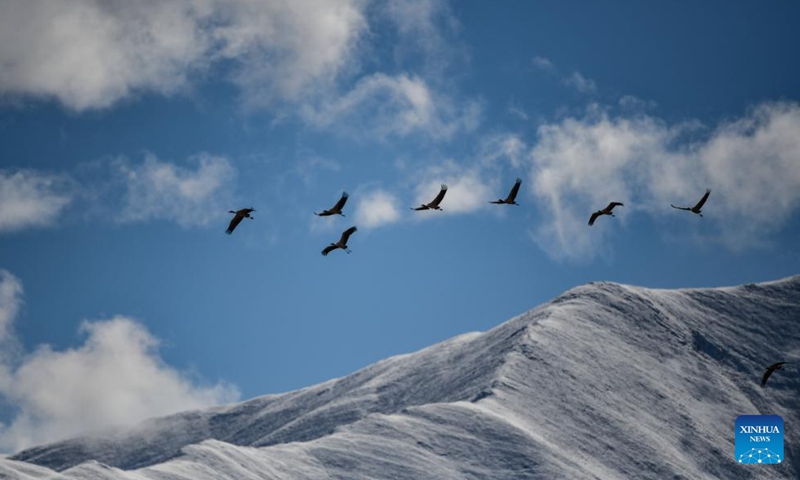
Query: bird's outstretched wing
x=770 y=369
x=436 y=201
x=512 y=196
x=234 y=221
x=593 y=218
x=614 y=204
x=340 y=204
x=423 y=207
x=346 y=235
x=703 y=200
x=328 y=250
x=679 y=208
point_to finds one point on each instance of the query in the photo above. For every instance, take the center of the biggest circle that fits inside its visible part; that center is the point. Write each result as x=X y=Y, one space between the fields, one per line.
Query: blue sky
x=129 y=130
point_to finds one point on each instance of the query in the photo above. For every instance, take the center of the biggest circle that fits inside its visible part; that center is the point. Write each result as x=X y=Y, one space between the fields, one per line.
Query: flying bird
x=337 y=209
x=434 y=205
x=605 y=211
x=512 y=195
x=243 y=213
x=770 y=369
x=342 y=243
x=696 y=208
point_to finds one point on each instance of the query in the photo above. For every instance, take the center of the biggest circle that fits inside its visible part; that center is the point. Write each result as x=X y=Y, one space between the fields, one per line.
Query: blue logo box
x=759 y=439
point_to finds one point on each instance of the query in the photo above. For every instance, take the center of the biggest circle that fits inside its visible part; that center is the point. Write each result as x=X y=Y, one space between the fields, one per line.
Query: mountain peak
x=606 y=380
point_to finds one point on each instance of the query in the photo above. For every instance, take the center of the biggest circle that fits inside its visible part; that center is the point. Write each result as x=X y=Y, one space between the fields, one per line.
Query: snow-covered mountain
x=605 y=381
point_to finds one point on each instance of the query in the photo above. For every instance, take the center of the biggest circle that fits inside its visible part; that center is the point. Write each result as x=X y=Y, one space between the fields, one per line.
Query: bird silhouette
x=434 y=205
x=337 y=209
x=770 y=369
x=240 y=214
x=342 y=243
x=512 y=195
x=605 y=211
x=696 y=208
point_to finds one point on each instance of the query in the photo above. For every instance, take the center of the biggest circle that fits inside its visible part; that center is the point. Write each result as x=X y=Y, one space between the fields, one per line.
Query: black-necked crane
x=337 y=209
x=770 y=369
x=434 y=205
x=512 y=195
x=240 y=214
x=696 y=208
x=342 y=243
x=605 y=211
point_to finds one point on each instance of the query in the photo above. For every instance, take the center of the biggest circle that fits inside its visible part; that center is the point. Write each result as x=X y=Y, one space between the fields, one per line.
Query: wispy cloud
x=10 y=303
x=574 y=80
x=32 y=199
x=115 y=378
x=580 y=83
x=507 y=146
x=377 y=208
x=751 y=164
x=543 y=64
x=159 y=190
x=426 y=34
x=383 y=106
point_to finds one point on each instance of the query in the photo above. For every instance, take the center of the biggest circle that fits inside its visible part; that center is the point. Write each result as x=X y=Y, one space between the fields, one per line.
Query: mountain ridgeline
x=606 y=381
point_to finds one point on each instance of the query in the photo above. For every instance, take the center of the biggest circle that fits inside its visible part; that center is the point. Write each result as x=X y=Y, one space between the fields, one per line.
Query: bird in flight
x=512 y=196
x=770 y=369
x=696 y=208
x=605 y=211
x=337 y=209
x=434 y=205
x=342 y=243
x=240 y=214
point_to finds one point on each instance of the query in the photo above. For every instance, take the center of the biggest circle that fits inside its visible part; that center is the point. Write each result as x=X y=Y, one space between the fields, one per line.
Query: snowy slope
x=604 y=381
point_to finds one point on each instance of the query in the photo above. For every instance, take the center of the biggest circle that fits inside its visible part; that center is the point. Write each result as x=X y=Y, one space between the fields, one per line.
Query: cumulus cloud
x=32 y=199
x=286 y=47
x=751 y=164
x=159 y=190
x=382 y=106
x=90 y=53
x=289 y=56
x=377 y=208
x=115 y=378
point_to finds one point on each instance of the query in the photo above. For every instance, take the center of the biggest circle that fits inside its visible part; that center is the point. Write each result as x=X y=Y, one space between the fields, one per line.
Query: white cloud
x=377 y=208
x=381 y=106
x=91 y=53
x=752 y=166
x=31 y=199
x=157 y=190
x=115 y=378
x=290 y=48
x=580 y=83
